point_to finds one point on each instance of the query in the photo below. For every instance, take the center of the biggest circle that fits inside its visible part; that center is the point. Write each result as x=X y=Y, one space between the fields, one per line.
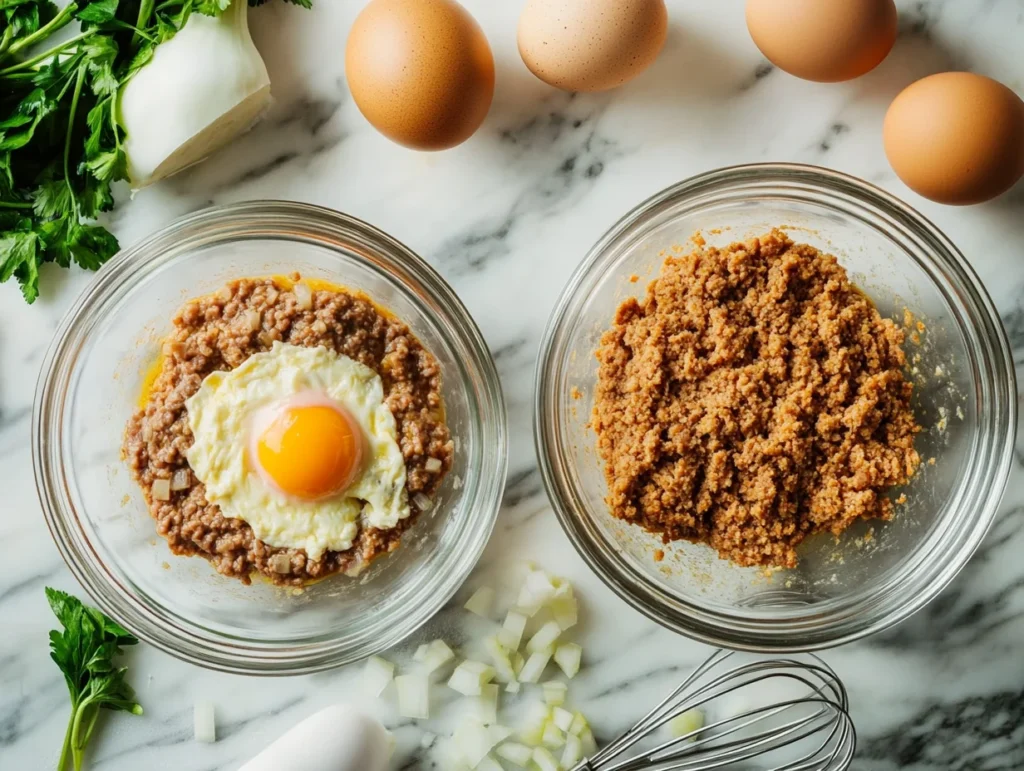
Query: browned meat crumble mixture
x=754 y=397
x=216 y=333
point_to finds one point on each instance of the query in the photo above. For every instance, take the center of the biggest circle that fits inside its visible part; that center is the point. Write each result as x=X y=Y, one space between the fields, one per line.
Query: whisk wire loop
x=812 y=723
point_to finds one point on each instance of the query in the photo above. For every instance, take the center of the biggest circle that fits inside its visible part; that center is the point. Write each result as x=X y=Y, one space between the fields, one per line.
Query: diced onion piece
x=516 y=753
x=487 y=703
x=413 y=696
x=435 y=656
x=422 y=502
x=579 y=724
x=481 y=602
x=502 y=662
x=451 y=756
x=554 y=694
x=392 y=742
x=568 y=657
x=204 y=722
x=690 y=721
x=421 y=653
x=563 y=589
x=565 y=612
x=573 y=752
x=544 y=639
x=545 y=760
x=518 y=662
x=252 y=320
x=553 y=737
x=161 y=489
x=532 y=732
x=489 y=764
x=303 y=296
x=469 y=677
x=182 y=480
x=513 y=686
x=474 y=740
x=377 y=675
x=280 y=563
x=561 y=718
x=536 y=592
x=589 y=744
x=433 y=465
x=534 y=667
x=511 y=633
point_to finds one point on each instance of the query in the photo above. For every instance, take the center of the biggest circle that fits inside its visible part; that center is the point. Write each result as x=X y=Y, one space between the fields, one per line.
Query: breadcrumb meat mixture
x=753 y=397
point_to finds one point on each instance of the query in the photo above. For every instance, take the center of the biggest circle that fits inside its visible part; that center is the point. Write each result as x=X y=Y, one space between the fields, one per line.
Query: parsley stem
x=30 y=63
x=58 y=21
x=142 y=21
x=71 y=130
x=5 y=43
x=67 y=738
x=15 y=205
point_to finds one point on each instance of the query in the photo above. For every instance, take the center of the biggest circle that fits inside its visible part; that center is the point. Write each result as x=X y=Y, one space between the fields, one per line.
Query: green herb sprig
x=85 y=652
x=61 y=146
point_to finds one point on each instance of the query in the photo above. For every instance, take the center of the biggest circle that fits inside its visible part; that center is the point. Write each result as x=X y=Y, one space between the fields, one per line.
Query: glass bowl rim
x=793 y=630
x=284 y=220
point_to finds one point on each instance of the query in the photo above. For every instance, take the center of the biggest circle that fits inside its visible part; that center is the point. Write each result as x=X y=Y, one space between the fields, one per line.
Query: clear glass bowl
x=90 y=384
x=965 y=398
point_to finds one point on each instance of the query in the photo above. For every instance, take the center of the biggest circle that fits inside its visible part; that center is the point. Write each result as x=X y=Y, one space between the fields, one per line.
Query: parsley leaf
x=85 y=650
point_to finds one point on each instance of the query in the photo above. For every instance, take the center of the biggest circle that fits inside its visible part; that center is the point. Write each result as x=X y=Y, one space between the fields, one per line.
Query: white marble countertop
x=505 y=218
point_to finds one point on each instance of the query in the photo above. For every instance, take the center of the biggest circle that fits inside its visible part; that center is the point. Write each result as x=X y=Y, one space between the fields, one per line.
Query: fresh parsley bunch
x=85 y=652
x=61 y=147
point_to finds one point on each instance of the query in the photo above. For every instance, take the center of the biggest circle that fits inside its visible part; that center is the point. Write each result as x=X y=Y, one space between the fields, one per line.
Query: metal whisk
x=806 y=729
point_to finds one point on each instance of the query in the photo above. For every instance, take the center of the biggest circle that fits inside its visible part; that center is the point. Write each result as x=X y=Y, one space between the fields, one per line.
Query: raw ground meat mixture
x=754 y=397
x=215 y=333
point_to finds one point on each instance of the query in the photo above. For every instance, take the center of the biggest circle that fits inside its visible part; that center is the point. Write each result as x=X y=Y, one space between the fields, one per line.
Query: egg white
x=220 y=414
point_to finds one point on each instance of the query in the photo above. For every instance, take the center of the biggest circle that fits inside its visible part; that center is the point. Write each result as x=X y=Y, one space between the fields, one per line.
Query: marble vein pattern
x=506 y=218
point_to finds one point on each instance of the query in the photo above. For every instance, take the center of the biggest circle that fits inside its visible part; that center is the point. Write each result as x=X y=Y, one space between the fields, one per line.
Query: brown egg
x=591 y=45
x=956 y=137
x=823 y=40
x=421 y=71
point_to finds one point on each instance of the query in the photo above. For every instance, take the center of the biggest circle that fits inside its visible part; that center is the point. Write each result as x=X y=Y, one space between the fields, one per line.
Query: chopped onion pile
x=531 y=636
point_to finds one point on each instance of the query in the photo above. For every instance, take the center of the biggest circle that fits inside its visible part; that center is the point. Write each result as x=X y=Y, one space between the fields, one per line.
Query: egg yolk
x=310 y=452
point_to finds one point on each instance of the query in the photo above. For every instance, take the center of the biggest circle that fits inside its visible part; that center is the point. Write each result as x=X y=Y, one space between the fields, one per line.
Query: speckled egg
x=421 y=71
x=591 y=45
x=956 y=137
x=823 y=40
